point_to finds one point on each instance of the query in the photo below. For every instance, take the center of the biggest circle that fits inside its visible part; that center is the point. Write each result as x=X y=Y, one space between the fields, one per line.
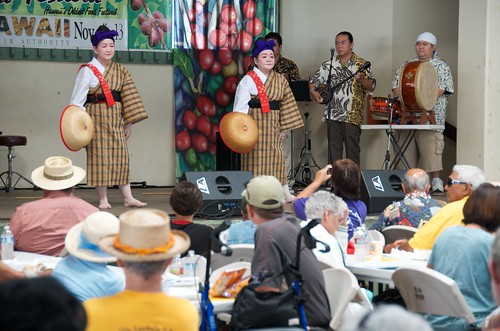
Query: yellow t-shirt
x=449 y=215
x=131 y=310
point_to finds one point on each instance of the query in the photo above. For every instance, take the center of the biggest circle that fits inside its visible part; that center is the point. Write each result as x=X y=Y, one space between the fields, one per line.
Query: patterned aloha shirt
x=414 y=208
x=445 y=82
x=348 y=102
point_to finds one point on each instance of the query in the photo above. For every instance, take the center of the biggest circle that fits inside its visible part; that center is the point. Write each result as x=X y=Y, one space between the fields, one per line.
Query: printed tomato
x=228 y=14
x=230 y=84
x=206 y=59
x=203 y=125
x=212 y=148
x=189 y=119
x=249 y=9
x=230 y=70
x=198 y=40
x=200 y=142
x=218 y=38
x=182 y=141
x=225 y=56
x=216 y=68
x=254 y=26
x=213 y=135
x=223 y=99
x=247 y=61
x=206 y=106
x=244 y=41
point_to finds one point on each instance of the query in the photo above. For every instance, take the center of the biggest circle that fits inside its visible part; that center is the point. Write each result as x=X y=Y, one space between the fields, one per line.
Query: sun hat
x=264 y=192
x=427 y=36
x=145 y=235
x=76 y=128
x=57 y=173
x=82 y=239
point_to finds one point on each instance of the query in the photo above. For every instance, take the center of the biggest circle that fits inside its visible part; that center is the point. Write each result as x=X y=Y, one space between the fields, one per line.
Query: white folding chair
x=201 y=265
x=342 y=288
x=231 y=266
x=395 y=232
x=425 y=290
x=375 y=235
x=240 y=252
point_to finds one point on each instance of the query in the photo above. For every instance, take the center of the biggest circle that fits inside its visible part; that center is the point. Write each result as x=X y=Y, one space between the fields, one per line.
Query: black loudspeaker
x=221 y=190
x=379 y=188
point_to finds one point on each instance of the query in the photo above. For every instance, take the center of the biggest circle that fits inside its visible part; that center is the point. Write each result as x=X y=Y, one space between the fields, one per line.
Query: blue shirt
x=462 y=254
x=87 y=280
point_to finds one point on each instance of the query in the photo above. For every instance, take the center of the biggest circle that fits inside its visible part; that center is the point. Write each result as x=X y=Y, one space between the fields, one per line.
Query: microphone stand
x=328 y=117
x=387 y=158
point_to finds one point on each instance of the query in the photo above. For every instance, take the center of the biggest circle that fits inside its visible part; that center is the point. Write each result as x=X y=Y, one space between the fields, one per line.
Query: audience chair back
x=425 y=290
x=201 y=265
x=395 y=232
x=240 y=253
x=215 y=274
x=375 y=235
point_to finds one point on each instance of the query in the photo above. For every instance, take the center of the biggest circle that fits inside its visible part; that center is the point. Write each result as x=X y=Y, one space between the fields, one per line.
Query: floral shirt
x=348 y=101
x=415 y=207
x=445 y=82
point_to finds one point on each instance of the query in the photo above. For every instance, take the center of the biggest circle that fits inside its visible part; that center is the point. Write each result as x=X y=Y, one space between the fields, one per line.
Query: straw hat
x=83 y=238
x=239 y=132
x=58 y=173
x=145 y=235
x=76 y=128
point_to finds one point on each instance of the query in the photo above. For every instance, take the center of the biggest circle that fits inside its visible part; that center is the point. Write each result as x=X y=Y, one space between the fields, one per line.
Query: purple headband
x=263 y=45
x=101 y=35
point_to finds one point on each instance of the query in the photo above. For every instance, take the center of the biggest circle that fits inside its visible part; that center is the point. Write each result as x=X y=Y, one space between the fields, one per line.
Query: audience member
x=39 y=304
x=463 y=180
x=241 y=232
x=345 y=179
x=492 y=322
x=472 y=244
x=417 y=205
x=84 y=272
x=40 y=226
x=275 y=246
x=388 y=318
x=8 y=273
x=144 y=247
x=186 y=200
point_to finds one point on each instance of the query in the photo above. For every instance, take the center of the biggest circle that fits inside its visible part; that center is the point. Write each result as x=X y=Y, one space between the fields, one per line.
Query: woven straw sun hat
x=145 y=235
x=76 y=128
x=57 y=173
x=82 y=239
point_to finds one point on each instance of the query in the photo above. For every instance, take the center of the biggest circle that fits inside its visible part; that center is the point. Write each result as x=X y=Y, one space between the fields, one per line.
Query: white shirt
x=245 y=90
x=334 y=256
x=85 y=80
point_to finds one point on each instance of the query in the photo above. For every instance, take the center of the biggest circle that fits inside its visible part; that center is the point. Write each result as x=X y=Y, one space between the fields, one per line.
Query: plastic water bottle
x=177 y=268
x=190 y=265
x=7 y=244
x=361 y=243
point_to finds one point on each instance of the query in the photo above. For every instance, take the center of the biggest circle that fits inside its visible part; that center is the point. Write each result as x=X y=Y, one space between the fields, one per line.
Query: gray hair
x=320 y=201
x=469 y=174
x=388 y=318
x=146 y=269
x=416 y=182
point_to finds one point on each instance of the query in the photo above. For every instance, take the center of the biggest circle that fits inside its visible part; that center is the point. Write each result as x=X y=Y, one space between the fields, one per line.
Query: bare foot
x=134 y=203
x=104 y=204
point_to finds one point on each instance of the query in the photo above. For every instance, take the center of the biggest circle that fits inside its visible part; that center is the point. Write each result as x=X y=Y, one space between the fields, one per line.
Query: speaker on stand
x=379 y=188
x=221 y=191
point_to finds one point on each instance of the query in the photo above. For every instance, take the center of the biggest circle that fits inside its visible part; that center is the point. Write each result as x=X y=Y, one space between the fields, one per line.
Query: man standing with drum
x=349 y=85
x=426 y=150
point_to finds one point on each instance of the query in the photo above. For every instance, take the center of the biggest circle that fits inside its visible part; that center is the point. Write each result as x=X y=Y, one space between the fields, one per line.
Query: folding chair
x=240 y=252
x=395 y=232
x=425 y=290
x=375 y=235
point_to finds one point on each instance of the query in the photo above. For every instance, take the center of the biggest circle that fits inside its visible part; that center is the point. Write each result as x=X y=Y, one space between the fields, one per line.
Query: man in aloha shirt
x=416 y=206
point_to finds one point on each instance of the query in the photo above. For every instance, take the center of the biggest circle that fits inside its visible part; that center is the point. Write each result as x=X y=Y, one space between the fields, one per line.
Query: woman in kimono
x=106 y=91
x=266 y=96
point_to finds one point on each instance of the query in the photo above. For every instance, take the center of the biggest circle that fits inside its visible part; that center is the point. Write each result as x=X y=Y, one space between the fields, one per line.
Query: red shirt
x=40 y=226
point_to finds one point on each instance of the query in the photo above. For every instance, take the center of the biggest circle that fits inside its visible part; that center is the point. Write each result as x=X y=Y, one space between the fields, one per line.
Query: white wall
x=33 y=94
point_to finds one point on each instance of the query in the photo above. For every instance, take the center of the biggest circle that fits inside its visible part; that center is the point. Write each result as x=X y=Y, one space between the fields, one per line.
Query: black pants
x=340 y=134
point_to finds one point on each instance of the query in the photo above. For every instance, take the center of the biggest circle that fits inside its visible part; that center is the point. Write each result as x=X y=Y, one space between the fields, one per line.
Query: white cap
x=427 y=36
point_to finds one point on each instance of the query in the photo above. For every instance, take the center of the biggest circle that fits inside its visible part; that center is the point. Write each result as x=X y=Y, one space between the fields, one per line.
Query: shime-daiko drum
x=239 y=132
x=418 y=86
x=76 y=128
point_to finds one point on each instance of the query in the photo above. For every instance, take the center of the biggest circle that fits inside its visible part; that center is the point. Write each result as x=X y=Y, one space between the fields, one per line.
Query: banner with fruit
x=141 y=24
x=212 y=44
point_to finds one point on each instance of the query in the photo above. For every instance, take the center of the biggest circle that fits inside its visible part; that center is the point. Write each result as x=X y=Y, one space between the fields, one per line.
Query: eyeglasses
x=454 y=181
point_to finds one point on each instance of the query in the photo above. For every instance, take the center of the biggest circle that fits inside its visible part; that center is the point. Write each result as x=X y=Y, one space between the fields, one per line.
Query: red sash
x=264 y=101
x=110 y=101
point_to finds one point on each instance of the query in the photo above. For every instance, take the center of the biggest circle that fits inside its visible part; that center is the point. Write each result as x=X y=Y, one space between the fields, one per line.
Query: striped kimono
x=267 y=157
x=107 y=153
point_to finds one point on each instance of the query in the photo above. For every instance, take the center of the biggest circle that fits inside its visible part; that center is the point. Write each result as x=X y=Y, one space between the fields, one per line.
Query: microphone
x=332 y=50
x=364 y=66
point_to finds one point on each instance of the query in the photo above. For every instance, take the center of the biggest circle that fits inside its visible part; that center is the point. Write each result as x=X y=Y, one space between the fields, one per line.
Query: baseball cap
x=264 y=192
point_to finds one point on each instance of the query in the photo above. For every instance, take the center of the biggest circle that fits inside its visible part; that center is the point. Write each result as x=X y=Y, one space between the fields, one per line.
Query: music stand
x=300 y=90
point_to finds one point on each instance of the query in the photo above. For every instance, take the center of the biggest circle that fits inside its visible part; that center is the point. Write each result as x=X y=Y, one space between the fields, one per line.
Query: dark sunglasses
x=454 y=181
